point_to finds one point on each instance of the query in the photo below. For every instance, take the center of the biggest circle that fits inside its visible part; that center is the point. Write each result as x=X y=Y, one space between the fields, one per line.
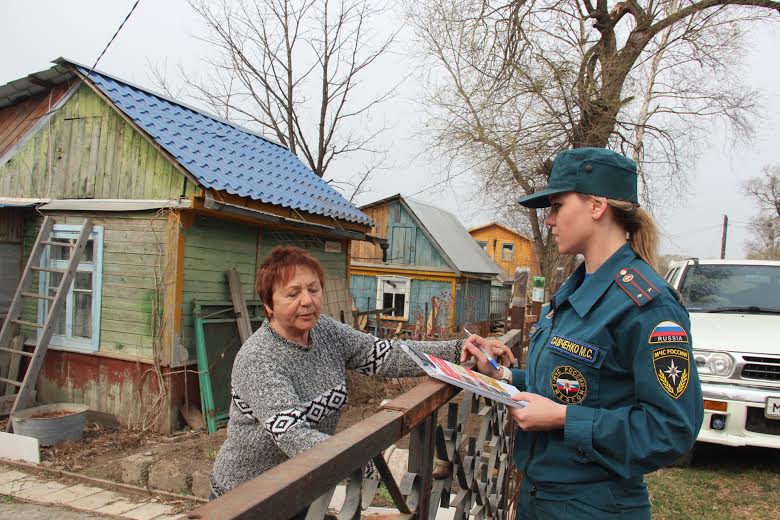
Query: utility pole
x=723 y=237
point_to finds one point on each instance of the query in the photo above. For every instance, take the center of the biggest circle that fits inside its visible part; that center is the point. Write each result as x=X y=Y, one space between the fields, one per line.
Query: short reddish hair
x=279 y=267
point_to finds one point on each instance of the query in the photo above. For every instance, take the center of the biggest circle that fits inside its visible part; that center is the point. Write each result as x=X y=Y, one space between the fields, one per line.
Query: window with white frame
x=393 y=291
x=78 y=327
x=507 y=251
x=482 y=244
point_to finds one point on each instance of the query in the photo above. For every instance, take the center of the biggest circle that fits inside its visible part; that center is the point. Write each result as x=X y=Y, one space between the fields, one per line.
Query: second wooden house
x=431 y=266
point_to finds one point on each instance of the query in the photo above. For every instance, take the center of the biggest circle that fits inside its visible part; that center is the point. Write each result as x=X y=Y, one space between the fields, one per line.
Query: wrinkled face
x=297 y=303
x=571 y=221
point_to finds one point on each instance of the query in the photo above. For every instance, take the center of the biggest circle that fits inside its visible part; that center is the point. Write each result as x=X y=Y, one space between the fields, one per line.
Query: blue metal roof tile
x=226 y=157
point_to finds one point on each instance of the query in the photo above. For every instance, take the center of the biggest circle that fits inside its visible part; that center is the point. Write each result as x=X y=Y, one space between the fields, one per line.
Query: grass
x=722 y=483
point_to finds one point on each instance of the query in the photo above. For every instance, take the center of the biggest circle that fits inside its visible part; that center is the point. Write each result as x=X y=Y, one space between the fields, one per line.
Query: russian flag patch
x=668 y=332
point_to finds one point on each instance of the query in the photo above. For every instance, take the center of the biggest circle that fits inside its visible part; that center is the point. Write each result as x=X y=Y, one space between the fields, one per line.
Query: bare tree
x=515 y=82
x=292 y=69
x=765 y=227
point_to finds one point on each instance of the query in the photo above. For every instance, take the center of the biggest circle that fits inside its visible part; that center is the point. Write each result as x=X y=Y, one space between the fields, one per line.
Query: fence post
x=517 y=305
x=421 y=446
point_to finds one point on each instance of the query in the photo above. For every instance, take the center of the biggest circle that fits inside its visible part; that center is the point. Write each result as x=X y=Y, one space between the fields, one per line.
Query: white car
x=735 y=324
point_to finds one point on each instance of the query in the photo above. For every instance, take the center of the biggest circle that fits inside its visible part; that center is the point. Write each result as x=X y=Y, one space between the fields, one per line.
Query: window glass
x=482 y=244
x=507 y=251
x=737 y=287
x=78 y=324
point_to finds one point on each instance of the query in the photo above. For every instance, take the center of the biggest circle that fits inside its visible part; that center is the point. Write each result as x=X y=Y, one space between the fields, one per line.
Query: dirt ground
x=100 y=452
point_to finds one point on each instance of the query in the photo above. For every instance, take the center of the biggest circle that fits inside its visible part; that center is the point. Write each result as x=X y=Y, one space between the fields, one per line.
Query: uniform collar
x=599 y=282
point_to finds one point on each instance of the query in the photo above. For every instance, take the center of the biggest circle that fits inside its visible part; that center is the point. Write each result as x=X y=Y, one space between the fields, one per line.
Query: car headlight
x=714 y=363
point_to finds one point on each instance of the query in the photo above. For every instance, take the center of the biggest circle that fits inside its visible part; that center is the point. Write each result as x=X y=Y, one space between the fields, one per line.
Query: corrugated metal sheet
x=34 y=84
x=226 y=157
x=453 y=238
x=16 y=120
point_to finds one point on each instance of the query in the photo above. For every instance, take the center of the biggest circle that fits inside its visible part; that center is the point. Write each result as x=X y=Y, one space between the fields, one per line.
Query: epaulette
x=636 y=285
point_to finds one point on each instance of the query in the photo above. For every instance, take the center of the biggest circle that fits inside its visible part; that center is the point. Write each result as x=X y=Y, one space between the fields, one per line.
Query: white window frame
x=67 y=341
x=380 y=295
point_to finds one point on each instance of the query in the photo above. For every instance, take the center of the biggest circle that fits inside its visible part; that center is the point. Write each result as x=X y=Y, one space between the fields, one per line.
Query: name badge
x=574 y=349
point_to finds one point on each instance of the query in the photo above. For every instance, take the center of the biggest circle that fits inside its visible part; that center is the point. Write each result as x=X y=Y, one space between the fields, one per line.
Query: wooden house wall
x=18 y=119
x=134 y=250
x=11 y=235
x=523 y=256
x=363 y=289
x=408 y=244
x=212 y=246
x=422 y=293
x=87 y=150
x=420 y=250
x=366 y=251
x=472 y=301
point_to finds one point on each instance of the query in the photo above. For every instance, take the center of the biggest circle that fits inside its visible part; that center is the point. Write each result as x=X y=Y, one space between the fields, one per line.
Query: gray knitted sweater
x=287 y=398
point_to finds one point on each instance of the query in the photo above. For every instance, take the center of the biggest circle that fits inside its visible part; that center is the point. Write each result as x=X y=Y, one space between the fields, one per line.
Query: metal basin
x=51 y=423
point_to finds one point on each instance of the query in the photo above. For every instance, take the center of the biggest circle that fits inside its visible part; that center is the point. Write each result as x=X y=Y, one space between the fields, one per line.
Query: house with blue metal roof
x=432 y=277
x=177 y=196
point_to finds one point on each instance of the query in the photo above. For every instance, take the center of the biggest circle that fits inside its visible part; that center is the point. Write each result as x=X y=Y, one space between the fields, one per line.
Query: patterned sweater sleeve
x=264 y=394
x=367 y=354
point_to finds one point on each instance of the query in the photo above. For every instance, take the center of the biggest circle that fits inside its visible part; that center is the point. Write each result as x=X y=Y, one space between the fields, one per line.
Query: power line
x=442 y=182
x=116 y=33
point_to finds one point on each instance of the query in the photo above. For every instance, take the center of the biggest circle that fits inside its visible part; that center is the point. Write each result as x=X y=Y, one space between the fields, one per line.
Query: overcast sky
x=164 y=32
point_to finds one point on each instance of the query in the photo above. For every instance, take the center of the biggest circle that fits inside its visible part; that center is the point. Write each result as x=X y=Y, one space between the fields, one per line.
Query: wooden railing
x=474 y=475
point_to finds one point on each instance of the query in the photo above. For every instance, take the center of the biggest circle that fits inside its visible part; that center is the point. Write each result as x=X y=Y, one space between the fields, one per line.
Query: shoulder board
x=636 y=285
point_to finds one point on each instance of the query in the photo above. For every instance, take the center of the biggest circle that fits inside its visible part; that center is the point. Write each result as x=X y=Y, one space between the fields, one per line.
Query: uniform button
x=588 y=168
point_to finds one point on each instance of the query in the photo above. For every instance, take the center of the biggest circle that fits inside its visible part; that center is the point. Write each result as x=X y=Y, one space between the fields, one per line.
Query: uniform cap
x=592 y=171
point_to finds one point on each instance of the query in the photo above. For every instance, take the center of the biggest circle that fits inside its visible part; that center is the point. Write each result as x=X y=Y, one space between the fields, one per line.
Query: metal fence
x=479 y=480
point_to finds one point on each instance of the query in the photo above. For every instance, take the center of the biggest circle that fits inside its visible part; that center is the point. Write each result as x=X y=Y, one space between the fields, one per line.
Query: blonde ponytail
x=642 y=231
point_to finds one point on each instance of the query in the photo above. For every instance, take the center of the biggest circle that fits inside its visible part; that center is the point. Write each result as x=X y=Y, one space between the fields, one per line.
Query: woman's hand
x=540 y=415
x=476 y=346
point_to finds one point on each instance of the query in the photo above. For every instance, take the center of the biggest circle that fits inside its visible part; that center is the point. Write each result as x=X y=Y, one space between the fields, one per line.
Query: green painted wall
x=86 y=150
x=212 y=246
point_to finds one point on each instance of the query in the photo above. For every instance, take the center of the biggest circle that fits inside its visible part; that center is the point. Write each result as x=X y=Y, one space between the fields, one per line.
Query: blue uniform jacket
x=616 y=349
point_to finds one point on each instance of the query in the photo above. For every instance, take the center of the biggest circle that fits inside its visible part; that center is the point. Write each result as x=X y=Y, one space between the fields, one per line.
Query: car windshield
x=732 y=288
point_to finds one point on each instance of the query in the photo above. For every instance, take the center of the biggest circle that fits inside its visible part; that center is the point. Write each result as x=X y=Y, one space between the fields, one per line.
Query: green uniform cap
x=593 y=171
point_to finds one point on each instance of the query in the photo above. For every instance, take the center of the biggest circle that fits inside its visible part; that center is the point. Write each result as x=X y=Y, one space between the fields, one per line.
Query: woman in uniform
x=611 y=386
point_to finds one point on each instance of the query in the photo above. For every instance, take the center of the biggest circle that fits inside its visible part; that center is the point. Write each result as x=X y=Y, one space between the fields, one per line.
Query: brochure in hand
x=463 y=377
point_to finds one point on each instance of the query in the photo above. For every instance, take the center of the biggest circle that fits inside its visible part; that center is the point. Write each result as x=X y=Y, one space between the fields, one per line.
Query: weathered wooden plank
x=142 y=236
x=129 y=316
x=128 y=339
x=130 y=281
x=94 y=155
x=137 y=247
x=139 y=329
x=115 y=270
x=144 y=352
x=121 y=291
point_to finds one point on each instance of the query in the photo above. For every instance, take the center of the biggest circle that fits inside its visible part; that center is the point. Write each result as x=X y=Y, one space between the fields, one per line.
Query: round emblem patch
x=627 y=278
x=569 y=385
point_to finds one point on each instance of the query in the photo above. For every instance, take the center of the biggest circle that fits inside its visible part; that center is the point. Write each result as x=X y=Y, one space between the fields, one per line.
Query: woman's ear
x=598 y=207
x=268 y=311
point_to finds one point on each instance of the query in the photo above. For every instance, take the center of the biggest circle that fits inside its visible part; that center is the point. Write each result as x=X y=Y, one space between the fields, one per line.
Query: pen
x=488 y=356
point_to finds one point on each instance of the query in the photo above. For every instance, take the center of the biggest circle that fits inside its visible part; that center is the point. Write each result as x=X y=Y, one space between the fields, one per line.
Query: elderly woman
x=288 y=382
